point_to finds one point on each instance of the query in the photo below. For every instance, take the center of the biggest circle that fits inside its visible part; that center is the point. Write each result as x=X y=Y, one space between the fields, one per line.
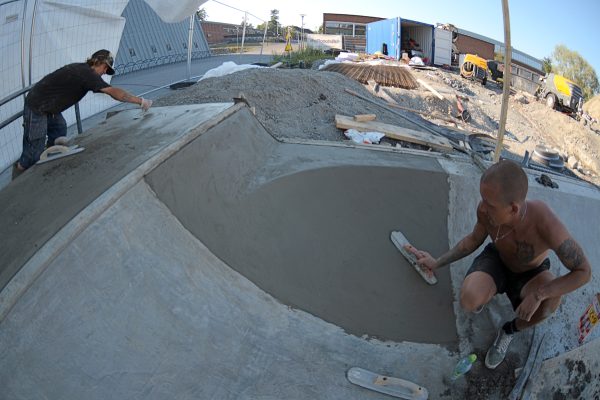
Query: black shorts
x=506 y=281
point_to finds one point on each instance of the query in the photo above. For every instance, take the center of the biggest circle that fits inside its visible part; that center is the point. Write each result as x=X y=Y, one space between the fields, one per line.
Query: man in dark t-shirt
x=43 y=122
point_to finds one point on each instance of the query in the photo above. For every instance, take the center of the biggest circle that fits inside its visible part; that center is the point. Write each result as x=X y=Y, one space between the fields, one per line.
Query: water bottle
x=464 y=366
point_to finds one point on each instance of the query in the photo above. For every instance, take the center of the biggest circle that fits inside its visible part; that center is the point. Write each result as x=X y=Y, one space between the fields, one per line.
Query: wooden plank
x=432 y=90
x=395 y=132
x=365 y=117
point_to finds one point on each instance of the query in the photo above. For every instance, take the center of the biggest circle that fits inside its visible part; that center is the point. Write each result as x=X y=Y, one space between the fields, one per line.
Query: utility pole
x=302 y=32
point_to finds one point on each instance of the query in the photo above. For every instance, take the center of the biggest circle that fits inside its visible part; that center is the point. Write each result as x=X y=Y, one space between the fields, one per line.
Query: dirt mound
x=289 y=103
x=303 y=103
x=592 y=106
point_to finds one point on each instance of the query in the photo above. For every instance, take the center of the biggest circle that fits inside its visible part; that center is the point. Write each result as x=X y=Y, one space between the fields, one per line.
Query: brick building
x=220 y=32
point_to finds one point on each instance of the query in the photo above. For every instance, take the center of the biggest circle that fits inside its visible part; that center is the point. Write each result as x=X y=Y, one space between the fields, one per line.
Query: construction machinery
x=474 y=67
x=560 y=93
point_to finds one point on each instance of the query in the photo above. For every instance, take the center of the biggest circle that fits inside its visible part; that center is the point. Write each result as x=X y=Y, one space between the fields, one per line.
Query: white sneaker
x=496 y=353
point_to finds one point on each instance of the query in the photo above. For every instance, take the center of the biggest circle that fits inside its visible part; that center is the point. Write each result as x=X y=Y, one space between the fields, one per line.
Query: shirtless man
x=515 y=262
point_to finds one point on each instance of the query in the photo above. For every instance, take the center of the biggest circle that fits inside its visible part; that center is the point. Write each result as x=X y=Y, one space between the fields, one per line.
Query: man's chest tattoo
x=525 y=252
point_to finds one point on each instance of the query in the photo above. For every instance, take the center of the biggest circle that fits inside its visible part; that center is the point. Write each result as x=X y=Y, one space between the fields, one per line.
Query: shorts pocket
x=35 y=125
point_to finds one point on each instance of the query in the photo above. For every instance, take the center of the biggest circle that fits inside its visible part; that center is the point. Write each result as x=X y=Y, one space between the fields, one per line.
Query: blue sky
x=536 y=25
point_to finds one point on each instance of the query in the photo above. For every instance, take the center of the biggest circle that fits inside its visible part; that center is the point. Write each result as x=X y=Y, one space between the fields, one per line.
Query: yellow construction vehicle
x=560 y=93
x=474 y=67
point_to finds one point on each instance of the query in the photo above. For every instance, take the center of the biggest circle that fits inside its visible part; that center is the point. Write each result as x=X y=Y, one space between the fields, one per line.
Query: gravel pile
x=290 y=103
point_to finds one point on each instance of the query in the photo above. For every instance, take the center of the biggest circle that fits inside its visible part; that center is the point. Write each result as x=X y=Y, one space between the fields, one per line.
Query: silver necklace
x=511 y=229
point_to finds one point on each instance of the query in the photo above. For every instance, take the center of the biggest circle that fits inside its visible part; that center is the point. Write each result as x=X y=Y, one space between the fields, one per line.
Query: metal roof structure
x=148 y=41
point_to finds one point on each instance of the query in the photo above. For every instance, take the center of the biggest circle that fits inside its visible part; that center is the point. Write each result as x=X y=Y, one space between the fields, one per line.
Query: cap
x=106 y=57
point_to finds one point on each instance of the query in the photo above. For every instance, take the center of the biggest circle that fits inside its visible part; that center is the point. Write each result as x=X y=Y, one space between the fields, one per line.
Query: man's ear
x=514 y=207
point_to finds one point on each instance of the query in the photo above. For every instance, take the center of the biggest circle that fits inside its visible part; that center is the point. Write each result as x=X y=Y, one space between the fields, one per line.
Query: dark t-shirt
x=63 y=88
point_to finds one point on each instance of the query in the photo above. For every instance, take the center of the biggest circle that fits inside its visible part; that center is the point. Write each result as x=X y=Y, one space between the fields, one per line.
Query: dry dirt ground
x=303 y=103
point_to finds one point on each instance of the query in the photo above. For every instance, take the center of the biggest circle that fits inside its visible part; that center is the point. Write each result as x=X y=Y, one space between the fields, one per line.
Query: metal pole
x=243 y=33
x=78 y=118
x=31 y=38
x=505 y=80
x=23 y=84
x=189 y=52
x=302 y=33
x=264 y=38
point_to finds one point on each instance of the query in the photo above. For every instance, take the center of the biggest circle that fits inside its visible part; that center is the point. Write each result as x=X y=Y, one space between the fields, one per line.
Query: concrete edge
x=37 y=264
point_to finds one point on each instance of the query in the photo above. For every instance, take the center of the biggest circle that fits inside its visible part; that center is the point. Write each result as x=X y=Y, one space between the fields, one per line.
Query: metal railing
x=157 y=61
x=18 y=115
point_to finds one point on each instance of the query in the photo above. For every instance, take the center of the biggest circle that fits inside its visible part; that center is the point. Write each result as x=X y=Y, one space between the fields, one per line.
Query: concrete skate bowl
x=310 y=224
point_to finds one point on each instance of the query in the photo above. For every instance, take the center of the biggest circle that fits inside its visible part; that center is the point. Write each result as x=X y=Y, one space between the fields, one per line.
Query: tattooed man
x=515 y=262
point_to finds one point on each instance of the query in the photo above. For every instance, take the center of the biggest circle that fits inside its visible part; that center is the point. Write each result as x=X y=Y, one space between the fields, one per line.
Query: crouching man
x=522 y=233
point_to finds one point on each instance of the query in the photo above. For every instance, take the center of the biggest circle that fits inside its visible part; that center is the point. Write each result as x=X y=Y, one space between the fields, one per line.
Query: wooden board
x=432 y=90
x=365 y=117
x=395 y=132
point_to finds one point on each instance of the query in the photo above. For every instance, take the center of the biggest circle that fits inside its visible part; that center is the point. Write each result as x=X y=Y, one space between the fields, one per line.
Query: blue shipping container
x=385 y=32
x=394 y=33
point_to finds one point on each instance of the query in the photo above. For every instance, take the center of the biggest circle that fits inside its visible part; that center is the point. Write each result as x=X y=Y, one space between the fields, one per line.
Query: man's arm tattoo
x=454 y=254
x=570 y=253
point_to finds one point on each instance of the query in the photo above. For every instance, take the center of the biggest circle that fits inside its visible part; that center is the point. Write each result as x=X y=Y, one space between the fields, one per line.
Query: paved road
x=153 y=83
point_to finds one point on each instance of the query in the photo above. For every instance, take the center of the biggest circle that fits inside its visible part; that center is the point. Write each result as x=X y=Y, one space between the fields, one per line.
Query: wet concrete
x=47 y=196
x=313 y=229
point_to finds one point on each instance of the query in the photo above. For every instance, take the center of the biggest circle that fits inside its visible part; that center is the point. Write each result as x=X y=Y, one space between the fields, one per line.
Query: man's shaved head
x=510 y=178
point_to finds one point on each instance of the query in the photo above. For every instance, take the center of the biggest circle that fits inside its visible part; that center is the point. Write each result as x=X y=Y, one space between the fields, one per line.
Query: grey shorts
x=506 y=281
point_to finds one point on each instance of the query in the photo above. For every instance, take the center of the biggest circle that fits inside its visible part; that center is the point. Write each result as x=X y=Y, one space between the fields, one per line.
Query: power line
x=244 y=11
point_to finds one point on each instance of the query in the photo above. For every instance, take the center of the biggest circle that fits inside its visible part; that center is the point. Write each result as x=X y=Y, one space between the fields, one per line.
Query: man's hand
x=528 y=307
x=146 y=104
x=424 y=259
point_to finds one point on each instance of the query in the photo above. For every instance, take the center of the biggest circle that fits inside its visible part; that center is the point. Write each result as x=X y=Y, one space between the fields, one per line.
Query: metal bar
x=23 y=45
x=14 y=95
x=78 y=118
x=244 y=32
x=264 y=37
x=505 y=80
x=190 y=43
x=31 y=38
x=11 y=119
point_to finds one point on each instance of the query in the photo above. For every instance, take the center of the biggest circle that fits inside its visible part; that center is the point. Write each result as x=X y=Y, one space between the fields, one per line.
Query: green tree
x=547 y=65
x=201 y=14
x=261 y=27
x=573 y=66
x=319 y=29
x=248 y=24
x=273 y=22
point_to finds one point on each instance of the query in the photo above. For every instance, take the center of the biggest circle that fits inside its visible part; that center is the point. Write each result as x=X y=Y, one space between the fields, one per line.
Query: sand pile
x=289 y=103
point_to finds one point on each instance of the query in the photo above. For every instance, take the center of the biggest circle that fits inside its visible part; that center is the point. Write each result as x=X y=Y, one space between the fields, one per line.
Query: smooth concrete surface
x=137 y=308
x=44 y=198
x=143 y=298
x=311 y=226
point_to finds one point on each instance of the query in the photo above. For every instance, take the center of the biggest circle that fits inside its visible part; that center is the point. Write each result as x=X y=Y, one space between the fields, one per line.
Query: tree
x=573 y=66
x=248 y=24
x=261 y=27
x=201 y=14
x=319 y=29
x=273 y=22
x=547 y=65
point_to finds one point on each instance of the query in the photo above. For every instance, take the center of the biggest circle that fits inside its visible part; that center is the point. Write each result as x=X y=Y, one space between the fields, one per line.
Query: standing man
x=58 y=91
x=515 y=262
